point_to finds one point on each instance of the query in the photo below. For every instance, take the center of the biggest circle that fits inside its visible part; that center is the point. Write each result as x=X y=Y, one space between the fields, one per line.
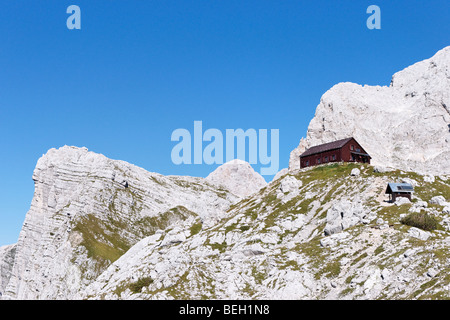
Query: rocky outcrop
x=345 y=214
x=404 y=126
x=238 y=177
x=7 y=254
x=275 y=245
x=294 y=157
x=88 y=210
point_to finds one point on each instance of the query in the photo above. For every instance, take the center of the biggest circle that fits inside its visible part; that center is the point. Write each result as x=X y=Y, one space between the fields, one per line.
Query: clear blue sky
x=137 y=70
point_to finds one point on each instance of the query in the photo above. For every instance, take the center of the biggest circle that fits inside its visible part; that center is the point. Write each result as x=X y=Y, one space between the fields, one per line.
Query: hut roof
x=326 y=147
x=399 y=187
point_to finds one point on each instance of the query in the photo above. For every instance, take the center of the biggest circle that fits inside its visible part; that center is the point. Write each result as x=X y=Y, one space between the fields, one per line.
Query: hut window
x=333 y=157
x=352 y=147
x=326 y=159
x=318 y=160
x=307 y=162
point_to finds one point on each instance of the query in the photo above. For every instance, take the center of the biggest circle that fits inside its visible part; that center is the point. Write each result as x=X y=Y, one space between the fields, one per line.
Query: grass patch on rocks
x=421 y=220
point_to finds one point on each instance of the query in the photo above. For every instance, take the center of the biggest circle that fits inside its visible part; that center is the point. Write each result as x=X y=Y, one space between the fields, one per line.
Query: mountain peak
x=403 y=126
x=238 y=176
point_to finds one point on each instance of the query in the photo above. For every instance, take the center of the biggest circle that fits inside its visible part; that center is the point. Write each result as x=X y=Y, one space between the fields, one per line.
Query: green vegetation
x=196 y=228
x=267 y=212
x=136 y=287
x=330 y=270
x=107 y=239
x=392 y=213
x=378 y=250
x=162 y=221
x=421 y=220
x=324 y=172
x=313 y=251
x=428 y=190
x=101 y=239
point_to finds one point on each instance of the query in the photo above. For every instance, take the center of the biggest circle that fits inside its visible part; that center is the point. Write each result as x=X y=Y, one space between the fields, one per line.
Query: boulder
x=402 y=200
x=290 y=184
x=432 y=272
x=418 y=233
x=344 y=214
x=439 y=200
x=381 y=169
x=333 y=240
x=412 y=182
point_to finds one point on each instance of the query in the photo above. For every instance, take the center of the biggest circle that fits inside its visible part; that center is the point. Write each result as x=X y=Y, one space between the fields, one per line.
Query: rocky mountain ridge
x=100 y=228
x=318 y=233
x=273 y=245
x=87 y=211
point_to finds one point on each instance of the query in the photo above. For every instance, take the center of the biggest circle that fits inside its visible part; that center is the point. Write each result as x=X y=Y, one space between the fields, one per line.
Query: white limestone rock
x=418 y=206
x=344 y=214
x=381 y=169
x=404 y=125
x=280 y=173
x=334 y=239
x=294 y=158
x=290 y=184
x=432 y=272
x=439 y=200
x=7 y=255
x=418 y=233
x=401 y=201
x=77 y=190
x=239 y=177
x=412 y=182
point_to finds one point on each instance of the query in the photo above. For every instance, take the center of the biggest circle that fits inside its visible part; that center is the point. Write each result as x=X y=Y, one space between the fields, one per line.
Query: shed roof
x=326 y=147
x=399 y=187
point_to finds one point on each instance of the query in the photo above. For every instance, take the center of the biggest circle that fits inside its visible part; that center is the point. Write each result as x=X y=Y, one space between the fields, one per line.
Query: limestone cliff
x=88 y=210
x=405 y=125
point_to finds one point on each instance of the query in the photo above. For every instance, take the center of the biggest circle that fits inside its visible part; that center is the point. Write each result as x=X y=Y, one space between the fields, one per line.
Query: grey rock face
x=7 y=255
x=87 y=210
